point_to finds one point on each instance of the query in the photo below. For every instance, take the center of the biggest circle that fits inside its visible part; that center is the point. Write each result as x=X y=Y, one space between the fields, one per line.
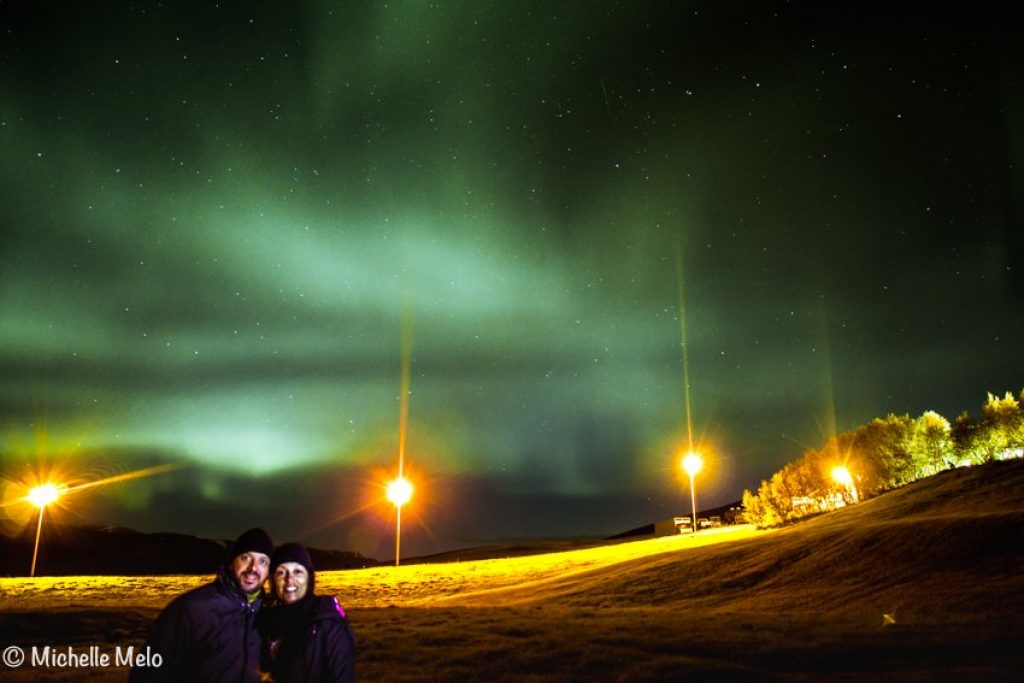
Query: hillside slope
x=952 y=542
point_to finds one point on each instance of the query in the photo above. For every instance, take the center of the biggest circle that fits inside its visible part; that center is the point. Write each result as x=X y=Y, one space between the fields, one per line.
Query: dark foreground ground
x=556 y=644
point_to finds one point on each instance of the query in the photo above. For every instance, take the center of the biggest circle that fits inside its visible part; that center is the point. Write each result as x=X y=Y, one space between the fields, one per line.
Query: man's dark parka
x=207 y=635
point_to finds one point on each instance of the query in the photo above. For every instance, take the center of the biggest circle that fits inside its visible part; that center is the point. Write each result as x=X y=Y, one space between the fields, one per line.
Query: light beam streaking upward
x=686 y=357
x=403 y=416
x=399 y=490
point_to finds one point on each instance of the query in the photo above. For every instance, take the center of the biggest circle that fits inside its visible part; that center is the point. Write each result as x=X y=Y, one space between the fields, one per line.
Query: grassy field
x=923 y=583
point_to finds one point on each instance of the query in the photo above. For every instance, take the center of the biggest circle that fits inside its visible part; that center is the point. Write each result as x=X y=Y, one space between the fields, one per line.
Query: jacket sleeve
x=169 y=638
x=339 y=650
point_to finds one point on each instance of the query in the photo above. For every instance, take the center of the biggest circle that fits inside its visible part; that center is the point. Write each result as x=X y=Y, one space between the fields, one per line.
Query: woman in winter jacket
x=305 y=637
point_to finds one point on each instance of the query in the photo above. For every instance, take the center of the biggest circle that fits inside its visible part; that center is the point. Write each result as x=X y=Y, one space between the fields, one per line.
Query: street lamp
x=41 y=496
x=399 y=493
x=843 y=477
x=692 y=463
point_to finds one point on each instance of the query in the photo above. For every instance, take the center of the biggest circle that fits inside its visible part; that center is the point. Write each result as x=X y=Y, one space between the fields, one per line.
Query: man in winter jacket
x=209 y=634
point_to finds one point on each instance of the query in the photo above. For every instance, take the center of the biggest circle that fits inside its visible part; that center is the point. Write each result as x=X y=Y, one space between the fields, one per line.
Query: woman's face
x=290 y=581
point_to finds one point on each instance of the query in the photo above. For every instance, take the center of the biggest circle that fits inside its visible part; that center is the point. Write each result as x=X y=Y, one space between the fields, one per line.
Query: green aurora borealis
x=215 y=219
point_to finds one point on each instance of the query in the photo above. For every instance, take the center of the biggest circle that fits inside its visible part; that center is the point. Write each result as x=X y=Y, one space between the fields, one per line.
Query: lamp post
x=399 y=493
x=692 y=463
x=41 y=496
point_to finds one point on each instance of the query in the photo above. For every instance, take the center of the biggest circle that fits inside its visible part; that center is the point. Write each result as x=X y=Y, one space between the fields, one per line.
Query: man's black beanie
x=252 y=541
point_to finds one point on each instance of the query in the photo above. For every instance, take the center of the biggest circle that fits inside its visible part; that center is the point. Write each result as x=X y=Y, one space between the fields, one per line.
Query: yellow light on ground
x=41 y=496
x=399 y=491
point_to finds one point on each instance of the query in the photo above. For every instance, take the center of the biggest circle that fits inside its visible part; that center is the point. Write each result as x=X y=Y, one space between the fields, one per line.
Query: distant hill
x=105 y=550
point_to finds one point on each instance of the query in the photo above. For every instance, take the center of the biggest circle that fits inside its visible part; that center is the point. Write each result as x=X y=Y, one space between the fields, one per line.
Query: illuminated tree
x=931 y=444
x=1001 y=431
x=752 y=509
x=806 y=479
x=773 y=502
x=883 y=446
x=964 y=435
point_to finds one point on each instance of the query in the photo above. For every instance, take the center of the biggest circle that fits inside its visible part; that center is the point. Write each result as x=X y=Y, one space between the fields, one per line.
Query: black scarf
x=290 y=621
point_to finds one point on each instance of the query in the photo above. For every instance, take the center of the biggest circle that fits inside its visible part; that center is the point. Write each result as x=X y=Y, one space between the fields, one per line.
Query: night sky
x=218 y=219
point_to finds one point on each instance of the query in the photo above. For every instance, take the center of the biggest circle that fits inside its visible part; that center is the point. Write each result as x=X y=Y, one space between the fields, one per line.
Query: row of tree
x=885 y=454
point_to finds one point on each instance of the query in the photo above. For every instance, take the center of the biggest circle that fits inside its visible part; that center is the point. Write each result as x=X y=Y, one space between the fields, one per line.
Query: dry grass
x=941 y=558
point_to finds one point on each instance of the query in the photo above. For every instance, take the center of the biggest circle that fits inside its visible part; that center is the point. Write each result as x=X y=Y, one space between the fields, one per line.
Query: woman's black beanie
x=293 y=552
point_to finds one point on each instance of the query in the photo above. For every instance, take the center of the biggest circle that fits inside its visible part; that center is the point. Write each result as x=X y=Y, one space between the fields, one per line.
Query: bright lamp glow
x=842 y=476
x=41 y=496
x=399 y=491
x=692 y=463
